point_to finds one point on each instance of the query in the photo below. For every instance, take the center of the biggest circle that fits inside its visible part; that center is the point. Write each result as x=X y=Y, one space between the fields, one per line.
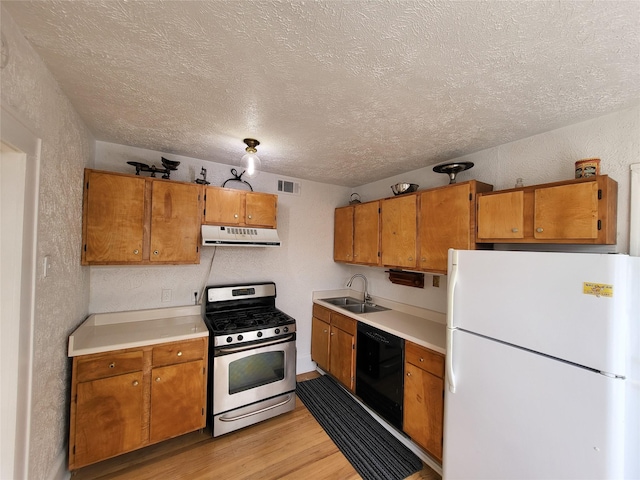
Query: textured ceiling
x=342 y=92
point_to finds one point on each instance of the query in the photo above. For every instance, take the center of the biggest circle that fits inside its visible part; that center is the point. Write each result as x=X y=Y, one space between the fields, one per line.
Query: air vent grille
x=289 y=187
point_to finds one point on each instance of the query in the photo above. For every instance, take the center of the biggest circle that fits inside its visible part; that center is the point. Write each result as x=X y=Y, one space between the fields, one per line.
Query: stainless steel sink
x=364 y=308
x=343 y=301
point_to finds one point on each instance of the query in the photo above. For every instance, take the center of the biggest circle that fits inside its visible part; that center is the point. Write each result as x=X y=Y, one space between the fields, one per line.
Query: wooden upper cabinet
x=225 y=206
x=113 y=218
x=398 y=231
x=130 y=220
x=581 y=211
x=343 y=234
x=447 y=219
x=366 y=233
x=175 y=223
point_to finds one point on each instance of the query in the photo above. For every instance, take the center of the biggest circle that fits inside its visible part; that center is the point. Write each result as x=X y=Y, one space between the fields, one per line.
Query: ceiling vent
x=289 y=187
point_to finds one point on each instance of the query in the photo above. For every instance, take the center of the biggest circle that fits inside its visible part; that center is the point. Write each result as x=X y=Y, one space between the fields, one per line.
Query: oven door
x=246 y=374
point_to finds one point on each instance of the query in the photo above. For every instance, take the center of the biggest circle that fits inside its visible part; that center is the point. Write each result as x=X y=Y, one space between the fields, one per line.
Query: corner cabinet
x=333 y=343
x=132 y=220
x=424 y=398
x=581 y=211
x=127 y=399
x=357 y=234
x=225 y=206
x=447 y=219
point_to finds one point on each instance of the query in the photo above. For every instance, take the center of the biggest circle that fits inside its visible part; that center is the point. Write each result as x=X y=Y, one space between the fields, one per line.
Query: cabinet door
x=177 y=400
x=501 y=216
x=566 y=212
x=445 y=222
x=424 y=409
x=223 y=206
x=113 y=218
x=398 y=237
x=109 y=418
x=320 y=343
x=342 y=357
x=366 y=233
x=343 y=234
x=175 y=222
x=261 y=209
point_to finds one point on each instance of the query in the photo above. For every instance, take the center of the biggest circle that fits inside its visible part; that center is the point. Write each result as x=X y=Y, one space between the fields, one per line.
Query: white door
x=519 y=415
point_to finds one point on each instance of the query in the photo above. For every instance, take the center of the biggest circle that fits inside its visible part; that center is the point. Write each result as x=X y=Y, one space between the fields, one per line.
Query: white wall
x=29 y=91
x=302 y=264
x=548 y=157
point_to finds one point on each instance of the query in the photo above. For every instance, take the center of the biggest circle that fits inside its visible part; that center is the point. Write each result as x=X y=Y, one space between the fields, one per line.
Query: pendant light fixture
x=250 y=162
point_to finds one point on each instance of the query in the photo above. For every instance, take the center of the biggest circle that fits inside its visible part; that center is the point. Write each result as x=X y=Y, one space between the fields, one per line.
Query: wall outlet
x=436 y=281
x=166 y=294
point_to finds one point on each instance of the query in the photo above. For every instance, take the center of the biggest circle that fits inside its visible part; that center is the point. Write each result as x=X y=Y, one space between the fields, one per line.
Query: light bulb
x=250 y=162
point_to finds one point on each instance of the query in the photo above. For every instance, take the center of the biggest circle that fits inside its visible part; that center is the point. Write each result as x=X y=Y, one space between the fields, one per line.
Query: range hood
x=218 y=236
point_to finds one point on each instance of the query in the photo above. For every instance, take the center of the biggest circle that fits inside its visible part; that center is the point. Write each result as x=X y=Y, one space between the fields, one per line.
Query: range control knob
x=286 y=329
x=259 y=334
x=229 y=339
x=277 y=331
x=240 y=337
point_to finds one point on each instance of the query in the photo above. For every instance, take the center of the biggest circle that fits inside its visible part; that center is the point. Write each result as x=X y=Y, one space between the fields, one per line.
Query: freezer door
x=539 y=300
x=519 y=415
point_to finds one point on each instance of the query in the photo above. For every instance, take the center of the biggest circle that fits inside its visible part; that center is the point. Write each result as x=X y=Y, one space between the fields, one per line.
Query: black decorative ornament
x=237 y=178
x=169 y=165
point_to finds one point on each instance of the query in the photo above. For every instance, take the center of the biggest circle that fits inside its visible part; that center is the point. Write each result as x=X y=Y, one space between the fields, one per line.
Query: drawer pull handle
x=179 y=354
x=112 y=365
x=157 y=379
x=135 y=383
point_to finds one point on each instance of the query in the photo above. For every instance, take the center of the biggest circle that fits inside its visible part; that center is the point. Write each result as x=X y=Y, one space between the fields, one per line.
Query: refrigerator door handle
x=451 y=288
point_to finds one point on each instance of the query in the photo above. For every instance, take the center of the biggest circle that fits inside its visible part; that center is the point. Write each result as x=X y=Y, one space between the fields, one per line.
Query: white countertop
x=102 y=332
x=418 y=325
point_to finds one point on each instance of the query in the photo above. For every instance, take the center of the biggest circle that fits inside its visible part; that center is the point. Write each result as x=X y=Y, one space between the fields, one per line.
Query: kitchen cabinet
x=132 y=220
x=447 y=219
x=333 y=340
x=362 y=233
x=581 y=211
x=225 y=206
x=398 y=237
x=126 y=399
x=424 y=398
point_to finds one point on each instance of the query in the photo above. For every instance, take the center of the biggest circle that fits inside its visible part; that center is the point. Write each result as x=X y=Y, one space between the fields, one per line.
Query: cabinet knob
x=421 y=359
x=410 y=259
x=423 y=259
x=135 y=383
x=514 y=230
x=155 y=252
x=136 y=251
x=249 y=216
x=539 y=229
x=325 y=331
x=157 y=379
x=333 y=333
x=179 y=354
x=408 y=374
x=235 y=216
x=112 y=365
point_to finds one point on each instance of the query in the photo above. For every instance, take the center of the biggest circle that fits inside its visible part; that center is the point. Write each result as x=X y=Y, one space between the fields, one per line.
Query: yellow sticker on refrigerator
x=597 y=289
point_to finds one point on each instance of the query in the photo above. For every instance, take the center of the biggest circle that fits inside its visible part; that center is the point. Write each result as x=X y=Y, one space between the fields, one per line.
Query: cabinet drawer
x=178 y=352
x=322 y=313
x=425 y=359
x=344 y=323
x=92 y=367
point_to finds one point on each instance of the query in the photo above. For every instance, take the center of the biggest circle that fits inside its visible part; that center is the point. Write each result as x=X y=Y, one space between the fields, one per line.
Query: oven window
x=255 y=370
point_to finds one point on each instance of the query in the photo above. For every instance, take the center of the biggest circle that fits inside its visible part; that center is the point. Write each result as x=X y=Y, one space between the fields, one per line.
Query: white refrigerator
x=542 y=366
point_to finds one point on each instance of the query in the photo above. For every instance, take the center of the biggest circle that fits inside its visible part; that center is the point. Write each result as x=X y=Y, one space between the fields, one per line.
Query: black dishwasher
x=380 y=372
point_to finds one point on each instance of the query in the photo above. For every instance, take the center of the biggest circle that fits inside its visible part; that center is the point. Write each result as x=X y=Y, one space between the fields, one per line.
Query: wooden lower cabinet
x=123 y=400
x=424 y=398
x=333 y=344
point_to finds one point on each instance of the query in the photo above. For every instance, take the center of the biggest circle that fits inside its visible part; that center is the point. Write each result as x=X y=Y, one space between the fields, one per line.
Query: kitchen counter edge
x=421 y=326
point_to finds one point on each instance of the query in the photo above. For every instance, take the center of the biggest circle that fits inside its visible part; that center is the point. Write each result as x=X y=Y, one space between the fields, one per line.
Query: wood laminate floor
x=290 y=446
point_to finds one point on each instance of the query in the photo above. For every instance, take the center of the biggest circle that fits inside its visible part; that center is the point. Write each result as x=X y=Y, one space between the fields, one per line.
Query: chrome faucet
x=365 y=293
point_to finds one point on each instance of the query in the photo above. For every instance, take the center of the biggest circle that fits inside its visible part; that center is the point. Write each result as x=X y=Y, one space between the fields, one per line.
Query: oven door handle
x=245 y=415
x=253 y=346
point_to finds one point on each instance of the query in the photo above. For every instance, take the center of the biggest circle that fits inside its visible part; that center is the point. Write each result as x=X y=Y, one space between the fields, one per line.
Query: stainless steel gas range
x=252 y=356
